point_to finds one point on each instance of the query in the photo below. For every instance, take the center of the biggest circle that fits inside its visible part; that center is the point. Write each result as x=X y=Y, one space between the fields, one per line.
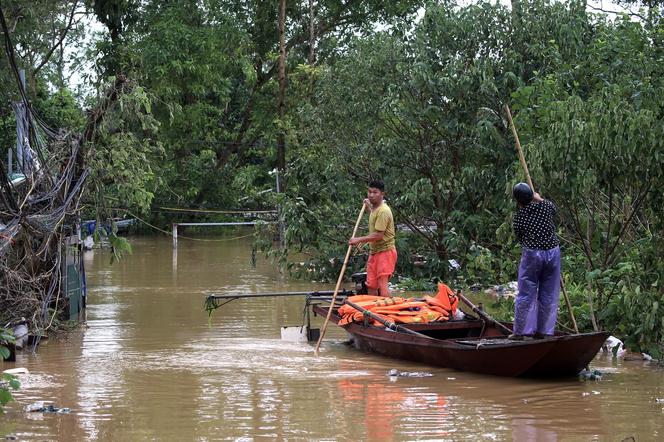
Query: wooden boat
x=476 y=345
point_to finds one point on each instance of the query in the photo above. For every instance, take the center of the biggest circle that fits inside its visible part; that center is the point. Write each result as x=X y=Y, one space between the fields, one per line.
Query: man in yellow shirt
x=382 y=250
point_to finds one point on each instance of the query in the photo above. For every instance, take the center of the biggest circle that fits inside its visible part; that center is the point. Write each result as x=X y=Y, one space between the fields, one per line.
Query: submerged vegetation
x=408 y=91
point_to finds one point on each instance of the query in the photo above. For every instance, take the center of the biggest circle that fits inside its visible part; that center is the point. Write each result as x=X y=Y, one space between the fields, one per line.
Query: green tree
x=421 y=109
x=594 y=133
x=212 y=68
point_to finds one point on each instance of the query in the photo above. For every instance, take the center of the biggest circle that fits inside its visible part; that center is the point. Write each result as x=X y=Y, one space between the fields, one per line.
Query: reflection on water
x=148 y=366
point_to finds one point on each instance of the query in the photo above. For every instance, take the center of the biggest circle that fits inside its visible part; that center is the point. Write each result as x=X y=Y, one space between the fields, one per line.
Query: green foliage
x=6 y=337
x=125 y=157
x=501 y=309
x=119 y=246
x=637 y=317
x=480 y=265
x=417 y=103
x=416 y=285
x=441 y=150
x=60 y=110
x=598 y=120
x=7 y=382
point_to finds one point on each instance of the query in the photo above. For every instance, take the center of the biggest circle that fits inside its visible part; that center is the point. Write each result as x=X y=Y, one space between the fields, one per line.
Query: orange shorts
x=380 y=264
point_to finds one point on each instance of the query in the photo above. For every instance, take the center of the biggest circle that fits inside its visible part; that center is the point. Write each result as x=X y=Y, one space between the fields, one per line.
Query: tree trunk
x=593 y=319
x=281 y=135
x=312 y=33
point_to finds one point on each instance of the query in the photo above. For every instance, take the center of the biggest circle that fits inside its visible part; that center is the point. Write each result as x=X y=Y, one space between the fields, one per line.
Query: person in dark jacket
x=536 y=305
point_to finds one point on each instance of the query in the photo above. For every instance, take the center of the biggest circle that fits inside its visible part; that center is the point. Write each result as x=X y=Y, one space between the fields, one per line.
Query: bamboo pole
x=484 y=315
x=522 y=159
x=385 y=322
x=341 y=275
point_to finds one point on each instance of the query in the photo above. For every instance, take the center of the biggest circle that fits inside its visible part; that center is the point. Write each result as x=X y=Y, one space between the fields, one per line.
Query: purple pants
x=536 y=306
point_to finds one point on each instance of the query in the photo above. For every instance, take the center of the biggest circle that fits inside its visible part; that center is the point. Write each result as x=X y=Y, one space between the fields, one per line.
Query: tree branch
x=60 y=40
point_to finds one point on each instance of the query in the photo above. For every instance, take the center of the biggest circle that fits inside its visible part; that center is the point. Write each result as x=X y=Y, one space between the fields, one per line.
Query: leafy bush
x=416 y=285
x=7 y=381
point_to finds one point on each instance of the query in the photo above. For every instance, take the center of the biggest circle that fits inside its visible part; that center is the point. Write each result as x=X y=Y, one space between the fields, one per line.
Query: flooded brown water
x=147 y=366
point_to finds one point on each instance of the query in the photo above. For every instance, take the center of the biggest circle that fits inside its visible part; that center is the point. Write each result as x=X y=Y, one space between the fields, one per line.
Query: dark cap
x=522 y=193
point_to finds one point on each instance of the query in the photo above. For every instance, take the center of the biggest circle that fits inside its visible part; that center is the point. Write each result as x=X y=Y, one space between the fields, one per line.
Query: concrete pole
x=279 y=213
x=175 y=235
x=20 y=129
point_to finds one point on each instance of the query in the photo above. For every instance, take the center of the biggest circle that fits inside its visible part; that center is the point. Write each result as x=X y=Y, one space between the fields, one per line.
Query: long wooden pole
x=341 y=276
x=484 y=315
x=389 y=324
x=522 y=159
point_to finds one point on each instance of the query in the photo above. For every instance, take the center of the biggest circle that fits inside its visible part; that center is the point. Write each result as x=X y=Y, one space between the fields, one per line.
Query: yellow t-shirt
x=381 y=220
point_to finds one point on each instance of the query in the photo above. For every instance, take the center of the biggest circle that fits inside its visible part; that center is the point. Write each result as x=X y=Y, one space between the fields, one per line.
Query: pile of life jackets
x=402 y=310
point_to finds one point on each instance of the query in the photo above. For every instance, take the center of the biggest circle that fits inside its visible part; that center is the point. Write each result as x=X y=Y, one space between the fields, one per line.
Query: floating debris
x=408 y=374
x=508 y=290
x=615 y=346
x=44 y=407
x=16 y=371
x=591 y=375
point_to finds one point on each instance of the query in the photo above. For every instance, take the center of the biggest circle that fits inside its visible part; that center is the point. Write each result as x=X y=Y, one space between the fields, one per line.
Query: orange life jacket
x=402 y=310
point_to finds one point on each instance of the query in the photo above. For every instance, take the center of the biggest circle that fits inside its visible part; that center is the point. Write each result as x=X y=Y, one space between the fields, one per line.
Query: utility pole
x=280 y=215
x=10 y=160
x=21 y=128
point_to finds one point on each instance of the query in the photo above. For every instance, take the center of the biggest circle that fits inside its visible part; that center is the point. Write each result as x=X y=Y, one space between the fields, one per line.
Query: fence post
x=175 y=235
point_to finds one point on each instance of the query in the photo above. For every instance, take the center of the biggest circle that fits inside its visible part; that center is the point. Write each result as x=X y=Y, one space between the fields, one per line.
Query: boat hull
x=475 y=347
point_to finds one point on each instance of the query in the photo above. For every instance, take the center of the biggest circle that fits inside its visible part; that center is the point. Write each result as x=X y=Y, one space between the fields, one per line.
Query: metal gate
x=74 y=278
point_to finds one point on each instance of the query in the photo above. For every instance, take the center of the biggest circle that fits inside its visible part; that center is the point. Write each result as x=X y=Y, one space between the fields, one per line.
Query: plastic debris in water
x=615 y=346
x=591 y=375
x=43 y=407
x=16 y=371
x=408 y=374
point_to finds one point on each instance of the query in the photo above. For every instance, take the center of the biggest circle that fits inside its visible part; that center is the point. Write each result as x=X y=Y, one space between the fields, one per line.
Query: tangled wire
x=40 y=206
x=39 y=212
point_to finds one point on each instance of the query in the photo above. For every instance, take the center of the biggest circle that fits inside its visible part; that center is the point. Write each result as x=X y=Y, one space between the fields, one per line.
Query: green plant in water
x=7 y=382
x=416 y=285
x=119 y=245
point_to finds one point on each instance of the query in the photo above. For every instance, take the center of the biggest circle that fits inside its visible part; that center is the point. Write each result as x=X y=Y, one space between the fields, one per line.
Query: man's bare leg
x=383 y=287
